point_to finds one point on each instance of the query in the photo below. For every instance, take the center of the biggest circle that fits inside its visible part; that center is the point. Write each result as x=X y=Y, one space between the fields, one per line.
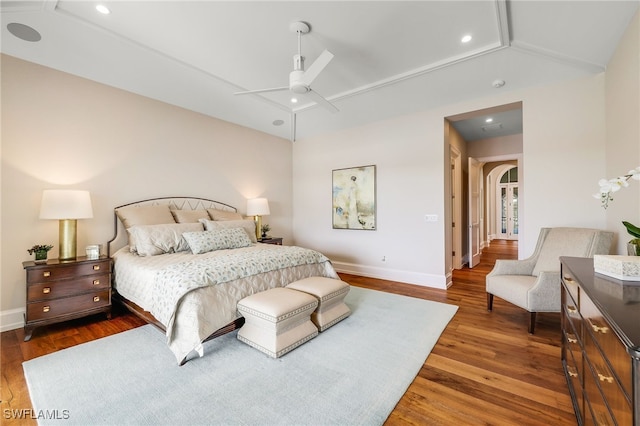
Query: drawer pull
x=572 y=309
x=602 y=377
x=46 y=290
x=46 y=274
x=46 y=308
x=571 y=338
x=96 y=282
x=96 y=267
x=598 y=329
x=572 y=372
x=96 y=298
x=569 y=279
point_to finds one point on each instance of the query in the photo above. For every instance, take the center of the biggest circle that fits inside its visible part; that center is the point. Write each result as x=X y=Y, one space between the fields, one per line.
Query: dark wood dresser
x=600 y=344
x=63 y=290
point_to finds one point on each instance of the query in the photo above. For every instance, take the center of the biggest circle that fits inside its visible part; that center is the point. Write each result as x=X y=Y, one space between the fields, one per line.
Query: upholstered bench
x=277 y=320
x=330 y=294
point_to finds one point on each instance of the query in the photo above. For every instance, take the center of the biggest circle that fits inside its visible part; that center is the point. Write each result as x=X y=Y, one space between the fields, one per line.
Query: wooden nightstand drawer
x=62 y=290
x=47 y=273
x=68 y=305
x=69 y=287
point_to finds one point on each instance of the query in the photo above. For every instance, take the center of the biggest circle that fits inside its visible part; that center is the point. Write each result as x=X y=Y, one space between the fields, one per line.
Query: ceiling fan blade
x=317 y=66
x=314 y=96
x=273 y=89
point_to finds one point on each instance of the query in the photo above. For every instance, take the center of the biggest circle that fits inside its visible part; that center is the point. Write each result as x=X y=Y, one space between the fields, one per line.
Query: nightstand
x=271 y=240
x=62 y=290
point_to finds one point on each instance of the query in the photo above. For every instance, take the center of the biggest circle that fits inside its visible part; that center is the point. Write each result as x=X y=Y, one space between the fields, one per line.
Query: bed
x=183 y=263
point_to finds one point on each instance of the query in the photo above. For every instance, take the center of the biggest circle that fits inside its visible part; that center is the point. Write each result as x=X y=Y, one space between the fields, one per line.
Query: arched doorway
x=507 y=224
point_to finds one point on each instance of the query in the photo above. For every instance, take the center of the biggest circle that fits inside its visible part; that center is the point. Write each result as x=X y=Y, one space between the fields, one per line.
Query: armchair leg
x=532 y=322
x=489 y=302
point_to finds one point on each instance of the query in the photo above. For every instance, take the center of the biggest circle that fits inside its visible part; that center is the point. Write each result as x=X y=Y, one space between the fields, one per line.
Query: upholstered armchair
x=534 y=283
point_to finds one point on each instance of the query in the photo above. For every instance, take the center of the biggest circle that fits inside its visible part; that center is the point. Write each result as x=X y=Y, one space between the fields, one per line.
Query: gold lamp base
x=68 y=239
x=258 y=220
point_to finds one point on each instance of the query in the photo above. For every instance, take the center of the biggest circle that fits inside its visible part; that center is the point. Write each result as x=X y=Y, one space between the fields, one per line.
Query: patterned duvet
x=195 y=295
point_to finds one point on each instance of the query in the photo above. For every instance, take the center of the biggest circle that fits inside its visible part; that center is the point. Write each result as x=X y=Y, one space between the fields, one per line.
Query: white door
x=475 y=170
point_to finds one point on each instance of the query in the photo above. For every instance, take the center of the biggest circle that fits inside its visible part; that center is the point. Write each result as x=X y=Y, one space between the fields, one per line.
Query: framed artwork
x=354 y=198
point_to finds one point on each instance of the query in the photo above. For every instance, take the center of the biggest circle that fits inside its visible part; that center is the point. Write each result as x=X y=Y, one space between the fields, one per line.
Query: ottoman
x=277 y=320
x=330 y=294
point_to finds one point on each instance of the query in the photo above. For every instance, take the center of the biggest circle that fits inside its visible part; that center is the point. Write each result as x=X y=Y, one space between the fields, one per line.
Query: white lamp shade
x=258 y=207
x=65 y=204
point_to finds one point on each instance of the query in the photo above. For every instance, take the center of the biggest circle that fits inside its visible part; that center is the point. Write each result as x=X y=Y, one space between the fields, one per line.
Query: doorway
x=477 y=142
x=507 y=205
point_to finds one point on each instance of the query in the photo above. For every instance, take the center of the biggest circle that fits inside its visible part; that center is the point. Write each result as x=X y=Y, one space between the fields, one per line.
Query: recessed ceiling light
x=488 y=120
x=278 y=122
x=294 y=100
x=103 y=9
x=466 y=39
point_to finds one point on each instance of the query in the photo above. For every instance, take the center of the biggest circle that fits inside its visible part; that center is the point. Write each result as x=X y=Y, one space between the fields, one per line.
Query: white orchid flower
x=608 y=187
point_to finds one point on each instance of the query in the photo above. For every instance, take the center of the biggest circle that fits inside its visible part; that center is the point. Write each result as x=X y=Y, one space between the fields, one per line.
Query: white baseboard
x=11 y=319
x=409 y=277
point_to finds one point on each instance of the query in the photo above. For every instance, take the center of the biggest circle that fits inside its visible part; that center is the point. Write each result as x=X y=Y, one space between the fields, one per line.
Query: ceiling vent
x=491 y=127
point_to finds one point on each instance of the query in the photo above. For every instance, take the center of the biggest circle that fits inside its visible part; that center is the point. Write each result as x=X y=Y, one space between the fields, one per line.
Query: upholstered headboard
x=120 y=237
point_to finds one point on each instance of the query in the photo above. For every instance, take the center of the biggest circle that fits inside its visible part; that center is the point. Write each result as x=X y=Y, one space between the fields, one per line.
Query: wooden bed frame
x=120 y=239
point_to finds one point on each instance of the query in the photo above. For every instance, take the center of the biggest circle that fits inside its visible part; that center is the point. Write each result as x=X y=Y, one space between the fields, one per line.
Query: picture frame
x=354 y=198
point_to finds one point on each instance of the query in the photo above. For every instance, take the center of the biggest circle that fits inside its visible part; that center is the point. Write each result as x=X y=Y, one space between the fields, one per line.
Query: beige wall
x=623 y=130
x=61 y=131
x=563 y=153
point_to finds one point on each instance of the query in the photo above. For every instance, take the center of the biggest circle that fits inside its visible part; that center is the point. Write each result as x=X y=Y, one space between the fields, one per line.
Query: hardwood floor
x=485 y=369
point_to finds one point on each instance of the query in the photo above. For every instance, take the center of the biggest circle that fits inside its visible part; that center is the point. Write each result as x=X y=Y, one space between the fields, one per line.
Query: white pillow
x=217 y=239
x=247 y=225
x=151 y=240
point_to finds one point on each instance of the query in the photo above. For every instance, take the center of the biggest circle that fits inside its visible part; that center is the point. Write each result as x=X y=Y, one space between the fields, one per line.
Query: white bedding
x=211 y=304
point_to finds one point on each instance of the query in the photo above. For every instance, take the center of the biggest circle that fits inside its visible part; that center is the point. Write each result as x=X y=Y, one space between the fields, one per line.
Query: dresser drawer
x=616 y=354
x=571 y=286
x=68 y=305
x=596 y=411
x=615 y=398
x=53 y=290
x=572 y=314
x=574 y=352
x=48 y=273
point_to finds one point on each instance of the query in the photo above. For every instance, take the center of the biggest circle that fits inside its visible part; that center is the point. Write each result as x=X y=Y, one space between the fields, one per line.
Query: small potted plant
x=40 y=251
x=633 y=246
x=264 y=229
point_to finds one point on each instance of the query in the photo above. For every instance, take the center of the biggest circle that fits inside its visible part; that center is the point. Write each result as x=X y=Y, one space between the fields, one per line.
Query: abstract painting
x=354 y=198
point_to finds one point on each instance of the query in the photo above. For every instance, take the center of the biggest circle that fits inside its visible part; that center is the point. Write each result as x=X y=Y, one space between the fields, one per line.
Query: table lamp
x=258 y=207
x=67 y=206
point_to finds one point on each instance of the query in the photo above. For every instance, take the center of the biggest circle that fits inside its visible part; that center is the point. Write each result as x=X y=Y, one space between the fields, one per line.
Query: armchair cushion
x=512 y=288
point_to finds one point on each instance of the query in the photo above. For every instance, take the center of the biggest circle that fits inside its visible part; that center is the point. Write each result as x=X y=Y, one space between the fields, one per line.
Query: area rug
x=351 y=374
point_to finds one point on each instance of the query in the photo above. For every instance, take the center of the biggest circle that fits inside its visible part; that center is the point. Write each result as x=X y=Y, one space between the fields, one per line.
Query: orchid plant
x=607 y=188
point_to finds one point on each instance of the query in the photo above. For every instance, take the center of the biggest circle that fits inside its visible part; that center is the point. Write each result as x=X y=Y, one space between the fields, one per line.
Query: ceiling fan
x=299 y=79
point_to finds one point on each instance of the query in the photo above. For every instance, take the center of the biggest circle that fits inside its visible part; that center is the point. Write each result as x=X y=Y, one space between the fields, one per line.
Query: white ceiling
x=391 y=57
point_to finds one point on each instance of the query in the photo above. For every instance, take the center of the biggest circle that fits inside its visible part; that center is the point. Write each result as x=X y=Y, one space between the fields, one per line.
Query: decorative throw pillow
x=189 y=216
x=216 y=214
x=248 y=225
x=151 y=240
x=217 y=239
x=145 y=215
